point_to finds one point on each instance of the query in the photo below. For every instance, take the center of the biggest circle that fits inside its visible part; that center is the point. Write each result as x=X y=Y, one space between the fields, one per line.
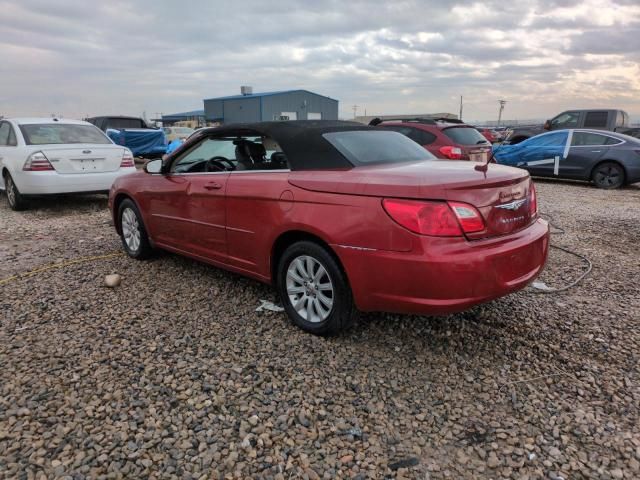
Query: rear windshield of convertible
x=60 y=134
x=362 y=147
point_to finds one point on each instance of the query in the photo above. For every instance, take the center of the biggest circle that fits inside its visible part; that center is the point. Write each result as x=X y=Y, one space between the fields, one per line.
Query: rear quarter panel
x=259 y=210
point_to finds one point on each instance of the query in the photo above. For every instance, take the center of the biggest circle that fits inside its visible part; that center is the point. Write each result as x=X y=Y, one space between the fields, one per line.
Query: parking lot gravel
x=173 y=373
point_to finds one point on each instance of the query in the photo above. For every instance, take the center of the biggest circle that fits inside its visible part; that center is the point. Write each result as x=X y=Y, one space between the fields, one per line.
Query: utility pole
x=355 y=110
x=502 y=104
x=460 y=116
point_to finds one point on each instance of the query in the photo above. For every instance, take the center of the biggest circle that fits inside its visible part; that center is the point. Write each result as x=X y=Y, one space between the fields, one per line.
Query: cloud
x=78 y=58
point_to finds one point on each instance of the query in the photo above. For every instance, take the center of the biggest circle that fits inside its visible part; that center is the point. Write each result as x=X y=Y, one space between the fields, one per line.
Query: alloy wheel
x=131 y=229
x=11 y=191
x=309 y=288
x=608 y=176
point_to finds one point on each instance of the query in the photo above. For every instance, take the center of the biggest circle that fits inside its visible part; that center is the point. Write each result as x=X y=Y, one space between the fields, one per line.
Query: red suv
x=445 y=138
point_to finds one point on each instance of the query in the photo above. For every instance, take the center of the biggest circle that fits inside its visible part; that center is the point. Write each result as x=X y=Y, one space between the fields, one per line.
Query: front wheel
x=608 y=175
x=132 y=232
x=15 y=198
x=314 y=290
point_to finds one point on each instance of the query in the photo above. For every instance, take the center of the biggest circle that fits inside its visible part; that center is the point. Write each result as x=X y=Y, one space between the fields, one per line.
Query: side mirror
x=547 y=125
x=154 y=166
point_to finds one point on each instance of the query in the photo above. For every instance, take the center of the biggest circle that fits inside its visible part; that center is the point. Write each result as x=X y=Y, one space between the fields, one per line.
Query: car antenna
x=485 y=166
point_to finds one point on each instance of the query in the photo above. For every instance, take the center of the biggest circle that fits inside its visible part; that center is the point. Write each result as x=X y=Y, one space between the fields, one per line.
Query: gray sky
x=124 y=57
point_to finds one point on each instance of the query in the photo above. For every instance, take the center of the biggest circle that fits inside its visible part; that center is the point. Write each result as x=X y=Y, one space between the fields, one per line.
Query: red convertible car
x=339 y=217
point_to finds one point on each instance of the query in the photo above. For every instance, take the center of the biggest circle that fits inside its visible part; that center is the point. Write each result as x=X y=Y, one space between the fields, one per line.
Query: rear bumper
x=445 y=275
x=52 y=182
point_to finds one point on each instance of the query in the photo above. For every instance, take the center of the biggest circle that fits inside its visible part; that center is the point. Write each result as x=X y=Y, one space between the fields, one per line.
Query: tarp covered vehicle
x=133 y=133
x=143 y=142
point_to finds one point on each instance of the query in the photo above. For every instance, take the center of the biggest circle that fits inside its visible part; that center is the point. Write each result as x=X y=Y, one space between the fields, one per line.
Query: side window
x=550 y=140
x=13 y=141
x=421 y=137
x=565 y=120
x=397 y=128
x=583 y=139
x=5 y=129
x=196 y=159
x=612 y=141
x=596 y=119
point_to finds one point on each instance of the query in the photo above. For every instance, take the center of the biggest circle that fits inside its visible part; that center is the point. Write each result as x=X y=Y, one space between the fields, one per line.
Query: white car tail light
x=37 y=162
x=127 y=159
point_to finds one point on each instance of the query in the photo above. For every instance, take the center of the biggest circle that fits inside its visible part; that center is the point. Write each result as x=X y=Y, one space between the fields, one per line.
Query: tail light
x=533 y=200
x=454 y=153
x=127 y=159
x=439 y=219
x=469 y=217
x=37 y=162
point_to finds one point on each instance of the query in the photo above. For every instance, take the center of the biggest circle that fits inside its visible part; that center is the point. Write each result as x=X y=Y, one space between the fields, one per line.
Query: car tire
x=314 y=290
x=608 y=175
x=132 y=231
x=16 y=200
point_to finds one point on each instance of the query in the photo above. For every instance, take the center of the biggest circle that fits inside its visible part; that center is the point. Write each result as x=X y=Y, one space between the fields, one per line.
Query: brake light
x=533 y=200
x=127 y=159
x=425 y=218
x=37 y=162
x=454 y=153
x=469 y=217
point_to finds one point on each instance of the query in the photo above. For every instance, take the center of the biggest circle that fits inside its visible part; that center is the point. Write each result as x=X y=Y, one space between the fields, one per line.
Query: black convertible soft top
x=300 y=140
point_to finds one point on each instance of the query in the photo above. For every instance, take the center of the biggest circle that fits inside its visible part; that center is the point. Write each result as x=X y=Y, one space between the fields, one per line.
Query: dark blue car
x=608 y=159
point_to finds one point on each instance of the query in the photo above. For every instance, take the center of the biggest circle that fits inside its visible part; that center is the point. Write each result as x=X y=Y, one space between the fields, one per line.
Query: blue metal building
x=268 y=106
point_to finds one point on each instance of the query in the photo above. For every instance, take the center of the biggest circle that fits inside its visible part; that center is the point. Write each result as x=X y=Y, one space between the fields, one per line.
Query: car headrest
x=256 y=151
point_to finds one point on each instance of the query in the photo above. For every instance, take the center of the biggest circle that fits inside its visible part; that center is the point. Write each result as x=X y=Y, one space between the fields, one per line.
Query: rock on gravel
x=112 y=280
x=177 y=376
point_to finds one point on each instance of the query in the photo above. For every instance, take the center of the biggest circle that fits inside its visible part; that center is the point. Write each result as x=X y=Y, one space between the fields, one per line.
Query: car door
x=586 y=149
x=257 y=201
x=198 y=210
x=543 y=154
x=567 y=120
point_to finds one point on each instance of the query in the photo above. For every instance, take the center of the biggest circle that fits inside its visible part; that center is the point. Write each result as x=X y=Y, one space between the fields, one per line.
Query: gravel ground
x=173 y=374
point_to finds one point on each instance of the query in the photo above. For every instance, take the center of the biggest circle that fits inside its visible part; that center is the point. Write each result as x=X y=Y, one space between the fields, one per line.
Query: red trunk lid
x=501 y=193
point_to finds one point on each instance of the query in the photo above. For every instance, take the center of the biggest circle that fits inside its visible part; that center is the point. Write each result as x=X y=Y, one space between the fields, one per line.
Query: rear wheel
x=314 y=290
x=608 y=175
x=132 y=232
x=15 y=198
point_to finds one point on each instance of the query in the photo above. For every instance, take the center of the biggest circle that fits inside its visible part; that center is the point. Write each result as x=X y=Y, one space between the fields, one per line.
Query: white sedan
x=41 y=156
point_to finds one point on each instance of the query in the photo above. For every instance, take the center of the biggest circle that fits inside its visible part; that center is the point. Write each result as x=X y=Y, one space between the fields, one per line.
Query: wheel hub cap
x=130 y=229
x=309 y=289
x=11 y=194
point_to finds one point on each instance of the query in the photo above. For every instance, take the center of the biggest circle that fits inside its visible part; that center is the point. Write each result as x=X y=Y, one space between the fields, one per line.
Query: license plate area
x=87 y=164
x=478 y=156
x=513 y=267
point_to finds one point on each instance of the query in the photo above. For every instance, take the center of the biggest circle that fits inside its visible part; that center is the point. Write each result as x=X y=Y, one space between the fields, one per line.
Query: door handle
x=213 y=186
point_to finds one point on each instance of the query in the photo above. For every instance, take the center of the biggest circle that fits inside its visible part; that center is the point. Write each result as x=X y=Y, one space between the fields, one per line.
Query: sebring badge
x=515 y=205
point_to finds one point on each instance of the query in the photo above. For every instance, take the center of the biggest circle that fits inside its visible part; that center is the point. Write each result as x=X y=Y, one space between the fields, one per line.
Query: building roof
x=267 y=94
x=193 y=113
